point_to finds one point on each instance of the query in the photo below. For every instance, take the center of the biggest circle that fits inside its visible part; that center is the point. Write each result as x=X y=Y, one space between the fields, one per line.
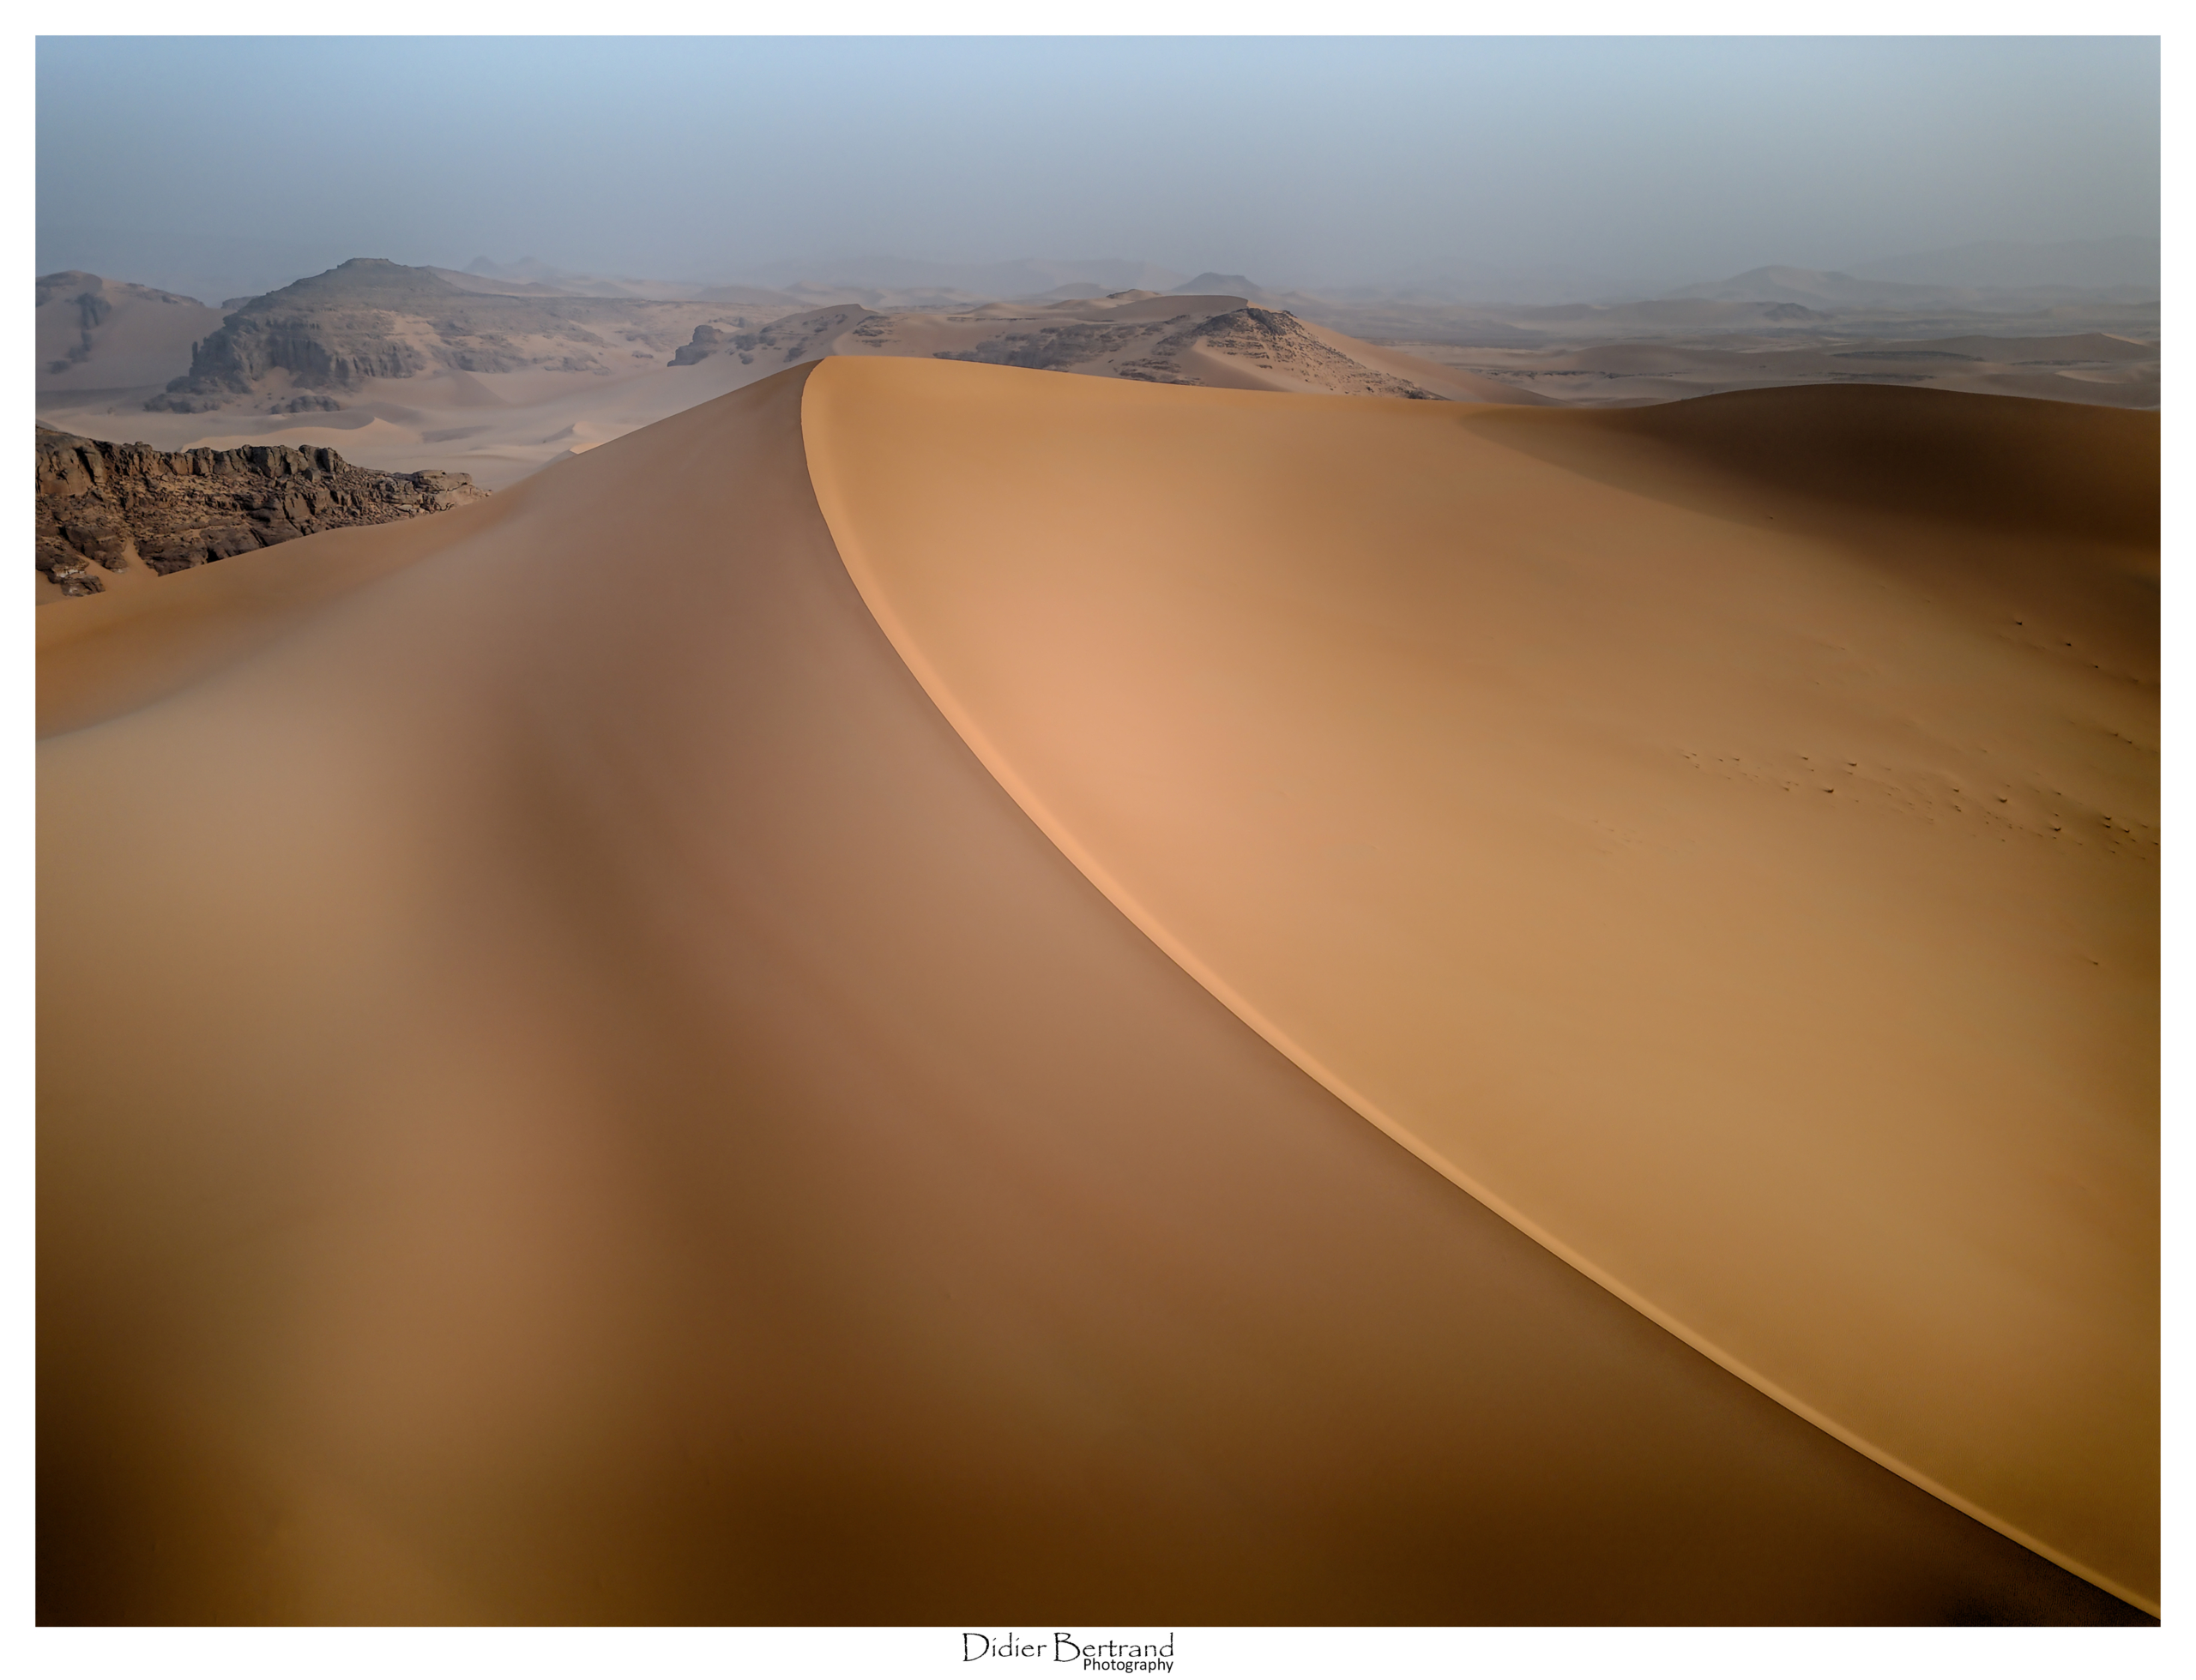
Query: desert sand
x=98 y=338
x=2109 y=369
x=1723 y=837
x=575 y=1091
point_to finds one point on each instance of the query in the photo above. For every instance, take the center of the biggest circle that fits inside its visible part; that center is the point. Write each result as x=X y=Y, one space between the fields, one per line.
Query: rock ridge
x=107 y=507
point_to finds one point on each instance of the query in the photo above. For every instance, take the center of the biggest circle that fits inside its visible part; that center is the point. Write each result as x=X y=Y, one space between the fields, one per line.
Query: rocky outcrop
x=1061 y=348
x=789 y=339
x=107 y=507
x=1100 y=340
x=706 y=343
x=322 y=338
x=1156 y=350
x=1275 y=339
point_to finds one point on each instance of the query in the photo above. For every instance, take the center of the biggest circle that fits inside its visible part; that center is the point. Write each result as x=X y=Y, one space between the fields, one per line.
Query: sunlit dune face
x=574 y=1089
x=1722 y=838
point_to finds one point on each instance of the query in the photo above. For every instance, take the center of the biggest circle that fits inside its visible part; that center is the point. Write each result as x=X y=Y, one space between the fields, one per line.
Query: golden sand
x=1723 y=839
x=570 y=1093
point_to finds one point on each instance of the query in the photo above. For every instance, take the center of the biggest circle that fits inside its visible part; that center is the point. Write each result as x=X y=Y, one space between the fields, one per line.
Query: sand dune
x=1722 y=836
x=102 y=335
x=2098 y=368
x=575 y=1095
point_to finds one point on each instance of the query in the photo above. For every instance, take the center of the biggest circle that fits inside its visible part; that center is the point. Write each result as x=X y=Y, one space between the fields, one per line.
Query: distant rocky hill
x=109 y=507
x=1152 y=351
x=1155 y=338
x=95 y=334
x=314 y=342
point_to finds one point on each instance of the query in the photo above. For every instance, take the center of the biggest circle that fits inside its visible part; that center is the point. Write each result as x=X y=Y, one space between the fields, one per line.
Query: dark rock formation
x=1275 y=338
x=707 y=341
x=322 y=335
x=796 y=336
x=1152 y=350
x=110 y=506
x=1058 y=347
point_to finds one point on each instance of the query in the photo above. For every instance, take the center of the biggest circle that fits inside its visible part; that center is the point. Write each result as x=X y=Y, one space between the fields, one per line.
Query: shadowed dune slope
x=570 y=1094
x=1723 y=837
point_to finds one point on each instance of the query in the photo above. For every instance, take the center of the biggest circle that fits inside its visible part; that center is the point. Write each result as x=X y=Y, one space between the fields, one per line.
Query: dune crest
x=1721 y=837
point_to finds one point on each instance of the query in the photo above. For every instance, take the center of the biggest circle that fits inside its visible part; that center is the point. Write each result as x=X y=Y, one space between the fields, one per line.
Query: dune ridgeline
x=927 y=993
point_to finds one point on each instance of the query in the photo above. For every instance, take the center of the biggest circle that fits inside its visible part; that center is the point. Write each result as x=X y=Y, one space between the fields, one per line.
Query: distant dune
x=96 y=335
x=2099 y=368
x=635 y=1051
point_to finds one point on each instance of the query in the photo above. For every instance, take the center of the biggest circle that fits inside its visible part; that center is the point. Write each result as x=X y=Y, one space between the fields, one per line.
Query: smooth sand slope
x=1723 y=837
x=570 y=1093
x=96 y=337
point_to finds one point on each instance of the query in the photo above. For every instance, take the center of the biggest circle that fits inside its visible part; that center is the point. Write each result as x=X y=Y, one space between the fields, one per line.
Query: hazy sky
x=239 y=164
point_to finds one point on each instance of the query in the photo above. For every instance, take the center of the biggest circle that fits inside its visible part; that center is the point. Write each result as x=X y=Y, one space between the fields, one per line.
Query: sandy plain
x=623 y=1117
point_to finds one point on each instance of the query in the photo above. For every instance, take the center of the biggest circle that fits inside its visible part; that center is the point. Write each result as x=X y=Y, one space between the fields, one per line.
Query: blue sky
x=1618 y=163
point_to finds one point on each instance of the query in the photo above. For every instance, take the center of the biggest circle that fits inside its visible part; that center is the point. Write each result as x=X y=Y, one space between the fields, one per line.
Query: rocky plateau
x=315 y=342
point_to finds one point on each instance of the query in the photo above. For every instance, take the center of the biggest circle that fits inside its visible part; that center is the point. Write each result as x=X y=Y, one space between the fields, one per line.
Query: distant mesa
x=1209 y=284
x=320 y=340
x=1144 y=336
